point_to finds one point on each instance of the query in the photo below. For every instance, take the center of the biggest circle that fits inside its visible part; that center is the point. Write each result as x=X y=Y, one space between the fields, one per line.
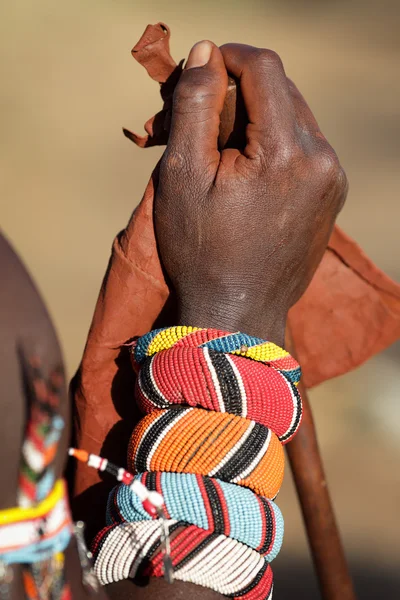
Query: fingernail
x=199 y=55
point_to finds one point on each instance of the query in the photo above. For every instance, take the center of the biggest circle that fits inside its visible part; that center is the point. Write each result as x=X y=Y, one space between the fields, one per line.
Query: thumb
x=197 y=105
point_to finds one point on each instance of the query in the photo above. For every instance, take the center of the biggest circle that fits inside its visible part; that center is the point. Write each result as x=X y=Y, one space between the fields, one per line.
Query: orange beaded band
x=221 y=445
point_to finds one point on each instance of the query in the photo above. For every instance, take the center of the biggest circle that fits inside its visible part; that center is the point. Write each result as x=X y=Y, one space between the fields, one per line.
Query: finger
x=304 y=116
x=266 y=96
x=313 y=139
x=197 y=105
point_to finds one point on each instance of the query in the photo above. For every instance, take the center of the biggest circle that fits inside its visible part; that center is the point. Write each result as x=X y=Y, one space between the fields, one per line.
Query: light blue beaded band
x=40 y=551
x=200 y=501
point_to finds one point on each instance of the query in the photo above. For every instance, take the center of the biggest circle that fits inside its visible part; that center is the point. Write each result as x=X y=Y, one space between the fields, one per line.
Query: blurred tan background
x=69 y=180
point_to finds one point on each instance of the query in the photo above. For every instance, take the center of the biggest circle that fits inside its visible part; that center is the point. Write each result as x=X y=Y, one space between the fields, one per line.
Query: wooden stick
x=319 y=519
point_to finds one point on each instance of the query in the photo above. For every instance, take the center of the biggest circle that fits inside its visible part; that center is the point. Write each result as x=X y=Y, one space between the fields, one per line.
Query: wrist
x=229 y=315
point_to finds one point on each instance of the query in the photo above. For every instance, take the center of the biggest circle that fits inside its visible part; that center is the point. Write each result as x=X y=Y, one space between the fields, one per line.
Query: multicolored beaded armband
x=219 y=407
x=198 y=556
x=214 y=505
x=194 y=440
x=227 y=383
x=220 y=341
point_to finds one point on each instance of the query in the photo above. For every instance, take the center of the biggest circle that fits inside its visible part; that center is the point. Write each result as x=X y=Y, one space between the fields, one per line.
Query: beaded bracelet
x=240 y=405
x=208 y=559
x=208 y=503
x=220 y=382
x=220 y=341
x=193 y=440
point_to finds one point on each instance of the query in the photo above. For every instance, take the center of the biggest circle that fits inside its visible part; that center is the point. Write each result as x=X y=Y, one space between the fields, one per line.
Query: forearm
x=158 y=589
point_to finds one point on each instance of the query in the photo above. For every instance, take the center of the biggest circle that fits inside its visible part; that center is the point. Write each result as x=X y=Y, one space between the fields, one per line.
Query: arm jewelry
x=218 y=408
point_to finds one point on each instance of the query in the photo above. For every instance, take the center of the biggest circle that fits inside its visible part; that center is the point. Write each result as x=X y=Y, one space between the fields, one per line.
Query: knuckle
x=326 y=167
x=181 y=170
x=286 y=155
x=173 y=160
x=193 y=93
x=326 y=163
x=265 y=59
x=173 y=165
x=343 y=187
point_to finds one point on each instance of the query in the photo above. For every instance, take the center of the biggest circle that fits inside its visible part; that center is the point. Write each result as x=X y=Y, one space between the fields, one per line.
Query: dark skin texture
x=240 y=233
x=26 y=327
x=252 y=226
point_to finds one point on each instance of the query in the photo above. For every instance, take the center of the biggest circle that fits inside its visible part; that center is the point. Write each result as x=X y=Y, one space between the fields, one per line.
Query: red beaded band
x=220 y=382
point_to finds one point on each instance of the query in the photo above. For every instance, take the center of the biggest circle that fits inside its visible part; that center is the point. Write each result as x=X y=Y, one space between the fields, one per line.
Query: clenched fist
x=240 y=234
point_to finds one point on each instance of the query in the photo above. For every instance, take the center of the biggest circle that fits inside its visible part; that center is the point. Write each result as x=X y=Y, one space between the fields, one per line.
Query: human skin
x=26 y=328
x=240 y=234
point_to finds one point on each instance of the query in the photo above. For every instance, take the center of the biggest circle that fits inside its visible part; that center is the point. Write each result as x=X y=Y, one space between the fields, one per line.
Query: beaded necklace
x=36 y=532
x=31 y=535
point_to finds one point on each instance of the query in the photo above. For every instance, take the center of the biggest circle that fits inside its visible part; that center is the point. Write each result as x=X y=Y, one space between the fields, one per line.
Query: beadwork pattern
x=193 y=440
x=49 y=578
x=30 y=535
x=220 y=341
x=43 y=432
x=41 y=554
x=220 y=382
x=198 y=556
x=219 y=407
x=215 y=506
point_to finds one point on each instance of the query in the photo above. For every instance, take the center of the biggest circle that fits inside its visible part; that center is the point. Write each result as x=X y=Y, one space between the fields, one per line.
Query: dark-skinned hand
x=241 y=233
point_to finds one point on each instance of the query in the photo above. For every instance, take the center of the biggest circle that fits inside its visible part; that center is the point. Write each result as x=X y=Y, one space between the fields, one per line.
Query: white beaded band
x=225 y=565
